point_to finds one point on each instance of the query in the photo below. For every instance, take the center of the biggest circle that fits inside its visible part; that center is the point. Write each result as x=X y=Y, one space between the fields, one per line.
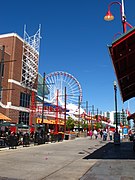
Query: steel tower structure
x=30 y=58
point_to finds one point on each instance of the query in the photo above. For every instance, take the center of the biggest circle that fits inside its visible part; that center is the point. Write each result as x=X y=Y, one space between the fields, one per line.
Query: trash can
x=60 y=137
x=66 y=136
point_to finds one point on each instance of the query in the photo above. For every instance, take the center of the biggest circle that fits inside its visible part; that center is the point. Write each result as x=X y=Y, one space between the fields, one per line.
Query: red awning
x=122 y=52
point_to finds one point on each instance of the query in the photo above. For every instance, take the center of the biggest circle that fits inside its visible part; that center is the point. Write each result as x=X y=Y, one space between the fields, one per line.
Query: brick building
x=18 y=75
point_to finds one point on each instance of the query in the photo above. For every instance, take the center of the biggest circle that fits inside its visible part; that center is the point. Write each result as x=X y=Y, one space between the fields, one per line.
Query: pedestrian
x=101 y=133
x=111 y=135
x=91 y=134
x=104 y=135
x=95 y=133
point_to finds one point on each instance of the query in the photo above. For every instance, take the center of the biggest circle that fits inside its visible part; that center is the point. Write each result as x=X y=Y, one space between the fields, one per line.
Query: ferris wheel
x=57 y=82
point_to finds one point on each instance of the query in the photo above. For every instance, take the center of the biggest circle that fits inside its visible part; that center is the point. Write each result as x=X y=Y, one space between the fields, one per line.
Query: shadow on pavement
x=111 y=151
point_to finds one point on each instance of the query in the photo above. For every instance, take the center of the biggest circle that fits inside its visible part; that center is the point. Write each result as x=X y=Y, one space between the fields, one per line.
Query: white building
x=121 y=116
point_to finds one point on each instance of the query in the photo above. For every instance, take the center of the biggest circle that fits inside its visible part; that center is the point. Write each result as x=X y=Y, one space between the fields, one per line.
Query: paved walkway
x=113 y=162
x=100 y=161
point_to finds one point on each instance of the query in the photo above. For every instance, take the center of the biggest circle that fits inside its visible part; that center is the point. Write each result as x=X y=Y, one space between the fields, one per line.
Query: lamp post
x=115 y=92
x=116 y=134
x=110 y=17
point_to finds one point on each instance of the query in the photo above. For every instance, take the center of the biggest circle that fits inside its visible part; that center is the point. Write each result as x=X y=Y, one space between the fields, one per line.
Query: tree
x=98 y=125
x=70 y=123
x=84 y=125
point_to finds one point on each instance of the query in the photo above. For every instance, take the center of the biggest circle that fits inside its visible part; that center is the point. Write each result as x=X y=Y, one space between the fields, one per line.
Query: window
x=24 y=100
x=2 y=68
x=24 y=118
x=0 y=93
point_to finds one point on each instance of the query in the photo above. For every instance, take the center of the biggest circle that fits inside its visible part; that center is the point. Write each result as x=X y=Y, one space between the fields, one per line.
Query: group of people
x=12 y=139
x=102 y=134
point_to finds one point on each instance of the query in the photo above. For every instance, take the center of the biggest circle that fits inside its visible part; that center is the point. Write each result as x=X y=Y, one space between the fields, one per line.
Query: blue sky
x=74 y=40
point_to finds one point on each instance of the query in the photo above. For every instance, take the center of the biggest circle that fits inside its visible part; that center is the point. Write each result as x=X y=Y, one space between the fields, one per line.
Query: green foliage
x=84 y=124
x=70 y=123
x=98 y=125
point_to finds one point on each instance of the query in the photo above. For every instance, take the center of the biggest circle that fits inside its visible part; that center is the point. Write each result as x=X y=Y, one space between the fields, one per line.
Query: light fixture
x=115 y=83
x=108 y=16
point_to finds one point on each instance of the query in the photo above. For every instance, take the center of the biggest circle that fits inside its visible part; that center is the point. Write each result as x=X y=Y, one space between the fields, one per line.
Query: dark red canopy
x=122 y=52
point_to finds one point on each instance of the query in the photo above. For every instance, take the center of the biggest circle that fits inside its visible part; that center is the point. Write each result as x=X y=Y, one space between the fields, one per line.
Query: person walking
x=91 y=134
x=104 y=135
x=95 y=133
x=101 y=133
x=111 y=135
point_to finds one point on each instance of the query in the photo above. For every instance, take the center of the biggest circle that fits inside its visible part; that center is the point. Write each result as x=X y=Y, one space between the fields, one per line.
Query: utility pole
x=43 y=98
x=97 y=114
x=65 y=111
x=92 y=109
x=92 y=114
x=79 y=110
x=56 y=124
x=42 y=122
x=87 y=107
x=1 y=69
x=65 y=106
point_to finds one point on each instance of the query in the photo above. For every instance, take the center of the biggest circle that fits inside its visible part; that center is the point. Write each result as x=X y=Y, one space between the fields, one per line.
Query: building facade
x=121 y=117
x=18 y=75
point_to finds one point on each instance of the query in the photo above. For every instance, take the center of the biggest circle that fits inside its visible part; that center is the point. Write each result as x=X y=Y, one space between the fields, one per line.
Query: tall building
x=19 y=59
x=121 y=117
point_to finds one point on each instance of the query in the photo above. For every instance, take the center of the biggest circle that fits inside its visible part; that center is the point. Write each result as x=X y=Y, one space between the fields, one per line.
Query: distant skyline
x=74 y=39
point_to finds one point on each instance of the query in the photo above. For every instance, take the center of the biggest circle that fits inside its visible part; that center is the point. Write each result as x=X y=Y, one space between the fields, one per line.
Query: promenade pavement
x=108 y=162
x=112 y=162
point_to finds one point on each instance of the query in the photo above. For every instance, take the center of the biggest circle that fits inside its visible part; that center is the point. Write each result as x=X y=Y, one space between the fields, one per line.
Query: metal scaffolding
x=30 y=58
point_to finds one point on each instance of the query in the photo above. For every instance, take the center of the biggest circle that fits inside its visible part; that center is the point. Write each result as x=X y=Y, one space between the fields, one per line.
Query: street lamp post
x=116 y=134
x=116 y=118
x=110 y=17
